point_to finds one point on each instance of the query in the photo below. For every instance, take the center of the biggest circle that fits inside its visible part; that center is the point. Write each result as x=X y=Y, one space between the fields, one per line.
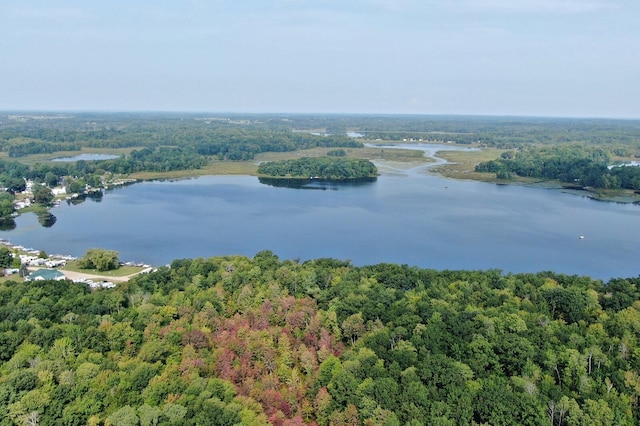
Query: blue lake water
x=85 y=157
x=411 y=218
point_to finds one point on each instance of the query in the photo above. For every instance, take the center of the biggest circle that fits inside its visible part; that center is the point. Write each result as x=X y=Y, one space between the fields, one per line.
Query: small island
x=325 y=168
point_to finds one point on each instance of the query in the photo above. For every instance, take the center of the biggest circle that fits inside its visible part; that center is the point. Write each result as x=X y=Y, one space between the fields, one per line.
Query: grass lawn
x=122 y=271
x=14 y=277
x=34 y=208
x=215 y=167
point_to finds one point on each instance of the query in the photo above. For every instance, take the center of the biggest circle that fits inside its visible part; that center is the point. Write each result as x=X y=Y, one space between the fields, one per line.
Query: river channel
x=407 y=216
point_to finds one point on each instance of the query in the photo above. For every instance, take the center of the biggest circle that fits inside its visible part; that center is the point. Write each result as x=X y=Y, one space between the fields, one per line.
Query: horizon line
x=264 y=113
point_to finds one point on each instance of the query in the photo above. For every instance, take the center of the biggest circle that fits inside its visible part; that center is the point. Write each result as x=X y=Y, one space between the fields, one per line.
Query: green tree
x=50 y=179
x=76 y=186
x=6 y=257
x=15 y=184
x=100 y=259
x=174 y=413
x=125 y=416
x=149 y=415
x=353 y=327
x=6 y=204
x=593 y=412
x=42 y=194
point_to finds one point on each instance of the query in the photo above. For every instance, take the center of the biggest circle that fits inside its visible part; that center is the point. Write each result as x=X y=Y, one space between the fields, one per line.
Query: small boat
x=581 y=237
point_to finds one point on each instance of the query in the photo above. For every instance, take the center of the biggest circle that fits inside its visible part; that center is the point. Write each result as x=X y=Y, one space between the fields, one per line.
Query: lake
x=407 y=217
x=85 y=157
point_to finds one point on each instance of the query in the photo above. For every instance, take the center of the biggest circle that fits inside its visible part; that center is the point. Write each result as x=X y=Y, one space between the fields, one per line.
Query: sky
x=564 y=58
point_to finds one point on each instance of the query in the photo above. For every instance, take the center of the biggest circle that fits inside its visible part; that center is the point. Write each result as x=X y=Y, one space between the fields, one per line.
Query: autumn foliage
x=240 y=341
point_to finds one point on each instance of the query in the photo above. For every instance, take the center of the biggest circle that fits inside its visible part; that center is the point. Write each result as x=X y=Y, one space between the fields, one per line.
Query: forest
x=587 y=166
x=256 y=341
x=225 y=139
x=327 y=168
x=546 y=148
x=159 y=142
x=241 y=136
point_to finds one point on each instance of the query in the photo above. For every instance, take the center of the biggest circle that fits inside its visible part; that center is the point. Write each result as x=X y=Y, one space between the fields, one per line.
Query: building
x=55 y=263
x=45 y=274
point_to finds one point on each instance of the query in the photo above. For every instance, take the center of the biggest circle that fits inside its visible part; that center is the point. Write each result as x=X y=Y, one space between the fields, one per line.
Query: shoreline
x=51 y=262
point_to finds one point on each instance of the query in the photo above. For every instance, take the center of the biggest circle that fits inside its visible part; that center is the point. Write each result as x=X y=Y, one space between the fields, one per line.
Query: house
x=94 y=285
x=45 y=274
x=32 y=260
x=59 y=190
x=55 y=263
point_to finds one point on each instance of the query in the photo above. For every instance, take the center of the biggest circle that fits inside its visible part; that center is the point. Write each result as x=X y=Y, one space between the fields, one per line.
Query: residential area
x=35 y=265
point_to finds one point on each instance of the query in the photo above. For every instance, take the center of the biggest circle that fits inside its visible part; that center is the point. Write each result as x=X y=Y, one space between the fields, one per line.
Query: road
x=73 y=276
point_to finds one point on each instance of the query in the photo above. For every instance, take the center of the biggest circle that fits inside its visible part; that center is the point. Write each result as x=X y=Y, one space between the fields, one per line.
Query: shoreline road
x=76 y=276
x=73 y=276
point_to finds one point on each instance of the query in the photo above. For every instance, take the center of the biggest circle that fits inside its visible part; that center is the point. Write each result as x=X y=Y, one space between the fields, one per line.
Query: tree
x=353 y=327
x=42 y=194
x=149 y=415
x=32 y=418
x=6 y=205
x=50 y=179
x=23 y=270
x=174 y=413
x=125 y=416
x=76 y=186
x=6 y=257
x=100 y=259
x=15 y=185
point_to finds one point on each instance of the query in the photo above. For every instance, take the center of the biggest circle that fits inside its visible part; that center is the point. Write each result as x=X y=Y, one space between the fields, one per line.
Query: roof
x=46 y=274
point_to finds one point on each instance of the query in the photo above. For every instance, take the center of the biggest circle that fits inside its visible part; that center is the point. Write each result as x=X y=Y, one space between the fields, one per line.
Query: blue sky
x=577 y=58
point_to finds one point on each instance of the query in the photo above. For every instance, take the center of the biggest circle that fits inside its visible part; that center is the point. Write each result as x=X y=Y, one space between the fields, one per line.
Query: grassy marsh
x=216 y=167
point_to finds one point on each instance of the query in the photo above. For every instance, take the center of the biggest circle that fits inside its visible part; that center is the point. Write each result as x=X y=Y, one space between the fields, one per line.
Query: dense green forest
x=576 y=164
x=257 y=341
x=329 y=168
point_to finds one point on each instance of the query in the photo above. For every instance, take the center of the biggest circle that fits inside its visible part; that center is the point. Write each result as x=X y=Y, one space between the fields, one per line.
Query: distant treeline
x=157 y=159
x=168 y=142
x=161 y=142
x=509 y=132
x=226 y=140
x=329 y=168
x=283 y=132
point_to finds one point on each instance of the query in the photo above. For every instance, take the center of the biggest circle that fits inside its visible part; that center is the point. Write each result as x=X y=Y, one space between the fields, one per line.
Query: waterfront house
x=45 y=274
